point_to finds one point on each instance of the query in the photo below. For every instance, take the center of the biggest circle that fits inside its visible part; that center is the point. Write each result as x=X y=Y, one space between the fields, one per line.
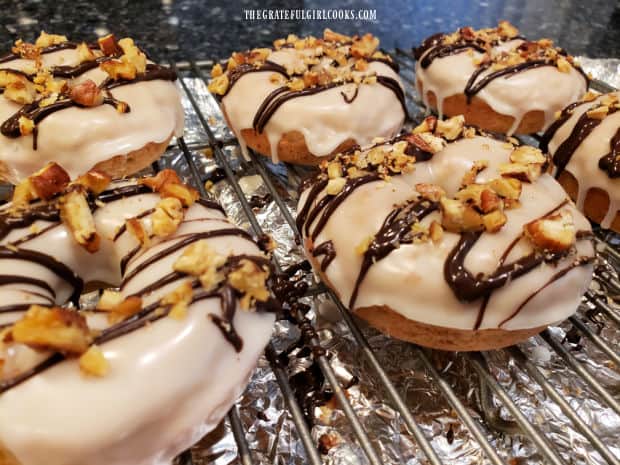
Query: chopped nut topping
x=458 y=217
x=49 y=181
x=26 y=126
x=108 y=45
x=334 y=186
x=555 y=233
x=167 y=216
x=599 y=112
x=76 y=214
x=94 y=181
x=163 y=177
x=525 y=173
x=85 y=53
x=20 y=91
x=451 y=128
x=179 y=299
x=526 y=155
x=47 y=40
x=219 y=85
x=470 y=176
x=117 y=69
x=199 y=259
x=136 y=229
x=54 y=328
x=185 y=194
x=435 y=232
x=250 y=280
x=431 y=192
x=428 y=125
x=87 y=94
x=94 y=363
x=494 y=221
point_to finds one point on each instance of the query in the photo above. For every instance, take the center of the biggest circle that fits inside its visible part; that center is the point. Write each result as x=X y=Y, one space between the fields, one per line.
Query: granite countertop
x=177 y=29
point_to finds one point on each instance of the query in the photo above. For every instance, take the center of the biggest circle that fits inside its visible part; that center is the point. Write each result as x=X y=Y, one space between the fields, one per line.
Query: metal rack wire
x=594 y=300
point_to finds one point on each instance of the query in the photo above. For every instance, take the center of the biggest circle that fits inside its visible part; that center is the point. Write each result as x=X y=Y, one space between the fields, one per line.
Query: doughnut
x=101 y=106
x=584 y=143
x=151 y=368
x=497 y=79
x=448 y=237
x=306 y=99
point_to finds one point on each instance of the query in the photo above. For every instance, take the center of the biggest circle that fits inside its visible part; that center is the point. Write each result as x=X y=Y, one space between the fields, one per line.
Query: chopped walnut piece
x=26 y=50
x=563 y=65
x=179 y=300
x=94 y=181
x=526 y=154
x=331 y=36
x=163 y=177
x=494 y=221
x=451 y=128
x=47 y=40
x=132 y=55
x=137 y=230
x=49 y=180
x=198 y=258
x=108 y=45
x=427 y=142
x=489 y=201
x=334 y=169
x=117 y=69
x=119 y=308
x=77 y=216
x=54 y=328
x=26 y=126
x=250 y=279
x=589 y=96
x=525 y=173
x=428 y=125
x=459 y=217
x=554 y=233
x=167 y=216
x=185 y=194
x=365 y=46
x=22 y=195
x=216 y=70
x=87 y=94
x=509 y=188
x=93 y=362
x=334 y=186
x=476 y=168
x=599 y=112
x=435 y=232
x=20 y=91
x=431 y=192
x=219 y=85
x=85 y=53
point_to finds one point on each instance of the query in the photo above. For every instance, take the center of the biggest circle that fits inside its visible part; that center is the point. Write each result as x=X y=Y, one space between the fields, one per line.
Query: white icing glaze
x=410 y=280
x=79 y=138
x=545 y=88
x=583 y=164
x=324 y=119
x=159 y=396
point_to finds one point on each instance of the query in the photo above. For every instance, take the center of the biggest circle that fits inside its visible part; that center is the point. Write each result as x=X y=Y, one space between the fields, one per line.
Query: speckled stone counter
x=213 y=29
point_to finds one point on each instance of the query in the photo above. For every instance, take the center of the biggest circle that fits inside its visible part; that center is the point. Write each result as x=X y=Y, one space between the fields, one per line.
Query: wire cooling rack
x=596 y=302
x=598 y=317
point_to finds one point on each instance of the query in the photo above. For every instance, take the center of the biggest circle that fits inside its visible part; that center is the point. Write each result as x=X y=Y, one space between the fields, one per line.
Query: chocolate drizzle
x=326 y=249
x=236 y=73
x=442 y=51
x=611 y=161
x=395 y=230
x=50 y=49
x=551 y=130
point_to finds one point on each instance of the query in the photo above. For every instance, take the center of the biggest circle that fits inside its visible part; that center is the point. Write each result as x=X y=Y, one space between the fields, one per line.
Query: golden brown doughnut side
x=120 y=166
x=479 y=113
x=438 y=337
x=292 y=147
x=596 y=203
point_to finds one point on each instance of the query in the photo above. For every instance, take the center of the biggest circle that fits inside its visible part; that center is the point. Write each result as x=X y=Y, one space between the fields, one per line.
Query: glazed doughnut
x=103 y=107
x=497 y=79
x=585 y=145
x=131 y=382
x=305 y=99
x=470 y=245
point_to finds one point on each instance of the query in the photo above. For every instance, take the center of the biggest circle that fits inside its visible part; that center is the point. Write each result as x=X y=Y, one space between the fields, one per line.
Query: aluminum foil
x=270 y=432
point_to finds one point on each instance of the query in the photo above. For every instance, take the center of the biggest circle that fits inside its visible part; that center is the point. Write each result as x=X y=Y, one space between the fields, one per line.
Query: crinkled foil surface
x=271 y=434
